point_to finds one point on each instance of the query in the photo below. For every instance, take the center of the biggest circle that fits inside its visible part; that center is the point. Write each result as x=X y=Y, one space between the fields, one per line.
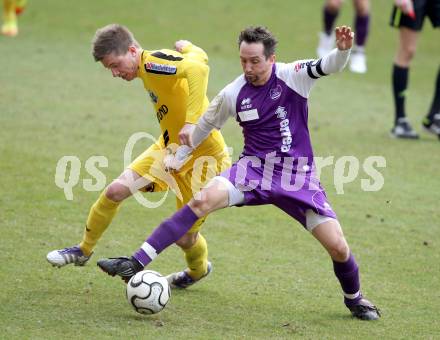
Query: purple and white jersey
x=273 y=116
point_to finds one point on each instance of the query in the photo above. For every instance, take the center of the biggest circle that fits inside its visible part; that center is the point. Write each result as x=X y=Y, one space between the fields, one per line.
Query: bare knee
x=201 y=205
x=187 y=240
x=409 y=52
x=333 y=6
x=362 y=7
x=405 y=54
x=117 y=192
x=330 y=235
x=214 y=196
x=204 y=202
x=407 y=47
x=339 y=251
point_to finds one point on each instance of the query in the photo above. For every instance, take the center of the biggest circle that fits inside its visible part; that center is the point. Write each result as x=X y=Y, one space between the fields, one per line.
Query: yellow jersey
x=177 y=84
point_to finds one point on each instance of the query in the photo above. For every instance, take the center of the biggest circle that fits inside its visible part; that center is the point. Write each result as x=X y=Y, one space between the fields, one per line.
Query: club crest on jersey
x=160 y=68
x=275 y=93
x=153 y=97
x=299 y=66
x=246 y=103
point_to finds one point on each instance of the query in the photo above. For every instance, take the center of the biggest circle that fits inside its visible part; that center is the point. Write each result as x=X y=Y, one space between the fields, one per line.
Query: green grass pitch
x=270 y=278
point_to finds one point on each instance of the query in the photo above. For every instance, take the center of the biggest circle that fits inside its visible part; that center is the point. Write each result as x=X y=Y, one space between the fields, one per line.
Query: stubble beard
x=251 y=78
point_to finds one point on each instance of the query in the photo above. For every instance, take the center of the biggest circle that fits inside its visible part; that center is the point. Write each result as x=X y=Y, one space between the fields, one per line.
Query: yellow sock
x=20 y=3
x=100 y=216
x=9 y=26
x=9 y=11
x=197 y=258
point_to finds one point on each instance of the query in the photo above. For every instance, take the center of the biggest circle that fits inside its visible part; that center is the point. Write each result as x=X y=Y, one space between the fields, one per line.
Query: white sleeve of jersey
x=302 y=74
x=219 y=110
x=335 y=61
x=215 y=115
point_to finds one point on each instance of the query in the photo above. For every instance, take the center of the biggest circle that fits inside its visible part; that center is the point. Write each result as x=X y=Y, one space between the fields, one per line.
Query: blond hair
x=113 y=38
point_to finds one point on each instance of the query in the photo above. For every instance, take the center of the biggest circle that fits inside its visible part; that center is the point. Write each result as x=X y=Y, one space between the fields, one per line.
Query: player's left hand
x=185 y=134
x=174 y=161
x=344 y=37
x=181 y=44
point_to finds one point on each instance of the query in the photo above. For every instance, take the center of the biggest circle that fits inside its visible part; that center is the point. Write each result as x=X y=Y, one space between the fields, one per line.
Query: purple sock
x=361 y=25
x=329 y=19
x=348 y=276
x=168 y=232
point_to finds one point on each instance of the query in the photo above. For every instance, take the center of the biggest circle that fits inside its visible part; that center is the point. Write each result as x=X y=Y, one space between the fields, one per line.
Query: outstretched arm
x=301 y=75
x=344 y=38
x=336 y=60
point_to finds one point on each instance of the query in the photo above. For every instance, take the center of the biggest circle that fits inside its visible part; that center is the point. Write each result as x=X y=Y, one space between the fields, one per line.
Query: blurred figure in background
x=358 y=60
x=409 y=17
x=11 y=9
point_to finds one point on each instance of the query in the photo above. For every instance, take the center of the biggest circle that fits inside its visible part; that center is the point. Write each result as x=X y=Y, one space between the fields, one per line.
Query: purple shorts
x=294 y=191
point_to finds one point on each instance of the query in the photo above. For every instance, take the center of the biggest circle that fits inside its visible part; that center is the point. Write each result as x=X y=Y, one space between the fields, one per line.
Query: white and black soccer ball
x=148 y=292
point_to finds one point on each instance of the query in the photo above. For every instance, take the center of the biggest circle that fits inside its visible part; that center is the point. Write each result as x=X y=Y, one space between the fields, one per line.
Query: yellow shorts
x=188 y=181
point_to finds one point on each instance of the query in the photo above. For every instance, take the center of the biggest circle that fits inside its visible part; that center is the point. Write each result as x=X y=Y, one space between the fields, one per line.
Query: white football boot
x=62 y=257
x=326 y=44
x=358 y=60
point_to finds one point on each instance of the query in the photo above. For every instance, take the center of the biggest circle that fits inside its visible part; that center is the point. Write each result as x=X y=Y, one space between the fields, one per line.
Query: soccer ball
x=148 y=292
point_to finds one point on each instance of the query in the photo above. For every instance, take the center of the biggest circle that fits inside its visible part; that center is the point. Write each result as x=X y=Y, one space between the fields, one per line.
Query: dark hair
x=259 y=34
x=110 y=39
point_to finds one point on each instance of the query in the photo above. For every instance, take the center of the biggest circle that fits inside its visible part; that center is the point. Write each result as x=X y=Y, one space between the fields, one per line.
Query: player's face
x=124 y=66
x=256 y=67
